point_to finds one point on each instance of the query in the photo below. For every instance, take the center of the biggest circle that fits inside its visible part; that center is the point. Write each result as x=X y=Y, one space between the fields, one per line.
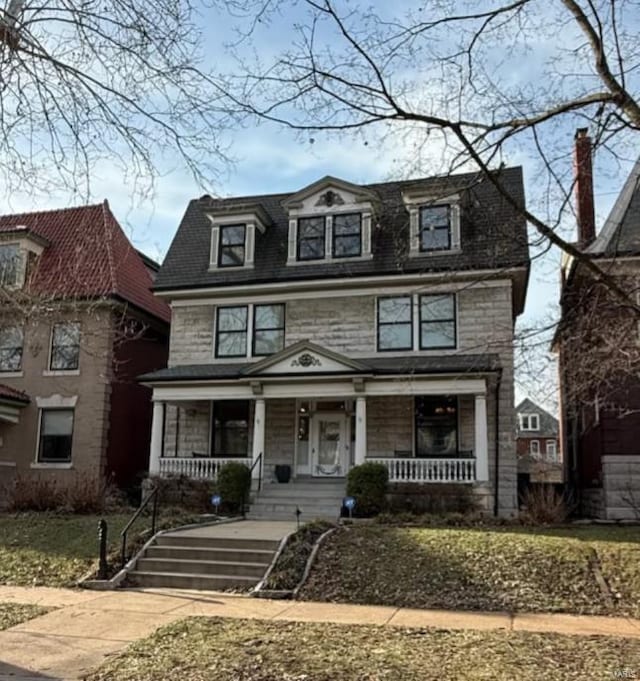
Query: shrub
x=419 y=498
x=234 y=485
x=544 y=505
x=182 y=491
x=367 y=483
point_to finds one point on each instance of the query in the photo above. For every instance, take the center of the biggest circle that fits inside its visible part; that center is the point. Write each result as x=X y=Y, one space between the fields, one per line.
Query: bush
x=234 y=485
x=544 y=506
x=368 y=483
x=419 y=498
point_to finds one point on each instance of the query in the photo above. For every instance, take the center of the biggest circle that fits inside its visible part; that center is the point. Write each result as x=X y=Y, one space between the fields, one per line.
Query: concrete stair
x=197 y=562
x=317 y=498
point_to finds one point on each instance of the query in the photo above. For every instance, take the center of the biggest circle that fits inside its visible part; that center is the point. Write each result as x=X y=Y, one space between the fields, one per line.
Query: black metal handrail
x=257 y=462
x=153 y=495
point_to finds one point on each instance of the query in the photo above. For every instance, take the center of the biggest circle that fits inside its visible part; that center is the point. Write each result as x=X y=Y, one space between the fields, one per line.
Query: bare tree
x=88 y=84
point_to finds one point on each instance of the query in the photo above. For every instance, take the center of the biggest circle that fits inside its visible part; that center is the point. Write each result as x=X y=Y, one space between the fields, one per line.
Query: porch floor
x=241 y=529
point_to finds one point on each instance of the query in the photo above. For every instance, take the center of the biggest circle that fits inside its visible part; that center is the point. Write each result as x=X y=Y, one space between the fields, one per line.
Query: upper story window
x=231 y=252
x=435 y=228
x=437 y=322
x=232 y=330
x=11 y=342
x=347 y=235
x=529 y=422
x=311 y=238
x=9 y=264
x=65 y=347
x=395 y=325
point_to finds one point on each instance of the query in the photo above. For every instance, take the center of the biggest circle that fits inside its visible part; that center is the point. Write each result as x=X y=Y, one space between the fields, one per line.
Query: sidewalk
x=88 y=626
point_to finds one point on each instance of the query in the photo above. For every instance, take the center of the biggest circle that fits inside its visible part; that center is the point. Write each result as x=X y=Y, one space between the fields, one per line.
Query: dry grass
x=243 y=650
x=15 y=613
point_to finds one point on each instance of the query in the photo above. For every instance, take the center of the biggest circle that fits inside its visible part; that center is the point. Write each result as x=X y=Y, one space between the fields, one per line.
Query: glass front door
x=329 y=445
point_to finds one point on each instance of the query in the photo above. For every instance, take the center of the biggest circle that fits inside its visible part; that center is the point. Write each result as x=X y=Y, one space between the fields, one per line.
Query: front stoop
x=315 y=498
x=210 y=563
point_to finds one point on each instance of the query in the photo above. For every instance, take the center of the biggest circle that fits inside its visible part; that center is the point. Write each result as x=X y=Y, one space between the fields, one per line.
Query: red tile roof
x=88 y=256
x=8 y=393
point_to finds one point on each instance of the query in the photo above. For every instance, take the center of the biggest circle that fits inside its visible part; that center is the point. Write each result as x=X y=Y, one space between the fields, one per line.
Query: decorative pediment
x=328 y=193
x=304 y=358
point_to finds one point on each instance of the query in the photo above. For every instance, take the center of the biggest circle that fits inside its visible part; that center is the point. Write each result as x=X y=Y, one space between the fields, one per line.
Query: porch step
x=192 y=561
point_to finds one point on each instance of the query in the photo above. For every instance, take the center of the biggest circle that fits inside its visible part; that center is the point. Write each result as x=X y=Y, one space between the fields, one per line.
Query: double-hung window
x=534 y=447
x=552 y=451
x=230 y=428
x=11 y=342
x=347 y=235
x=9 y=264
x=268 y=329
x=437 y=322
x=231 y=252
x=65 y=347
x=435 y=228
x=231 y=333
x=395 y=326
x=311 y=238
x=56 y=433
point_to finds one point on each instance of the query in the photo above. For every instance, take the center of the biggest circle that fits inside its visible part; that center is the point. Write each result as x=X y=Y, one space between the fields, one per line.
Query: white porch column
x=361 y=430
x=258 y=436
x=481 y=443
x=155 y=450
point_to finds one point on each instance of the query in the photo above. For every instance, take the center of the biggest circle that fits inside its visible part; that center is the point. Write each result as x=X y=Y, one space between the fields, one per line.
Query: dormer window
x=231 y=252
x=347 y=235
x=529 y=422
x=9 y=264
x=435 y=228
x=311 y=238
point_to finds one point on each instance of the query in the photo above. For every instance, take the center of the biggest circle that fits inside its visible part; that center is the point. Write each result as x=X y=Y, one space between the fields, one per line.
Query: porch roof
x=18 y=397
x=376 y=366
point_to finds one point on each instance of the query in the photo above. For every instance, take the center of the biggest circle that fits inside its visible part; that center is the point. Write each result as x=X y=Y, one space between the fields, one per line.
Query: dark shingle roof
x=13 y=395
x=444 y=364
x=493 y=235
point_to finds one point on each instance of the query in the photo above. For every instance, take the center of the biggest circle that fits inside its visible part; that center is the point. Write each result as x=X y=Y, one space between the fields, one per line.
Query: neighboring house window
x=231 y=335
x=529 y=422
x=65 y=347
x=230 y=426
x=552 y=451
x=347 y=235
x=437 y=322
x=436 y=423
x=11 y=341
x=534 y=448
x=268 y=329
x=435 y=228
x=9 y=264
x=232 y=246
x=311 y=238
x=56 y=431
x=395 y=326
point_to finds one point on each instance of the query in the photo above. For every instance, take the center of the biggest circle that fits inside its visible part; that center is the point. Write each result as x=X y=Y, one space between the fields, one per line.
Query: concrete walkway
x=88 y=626
x=246 y=529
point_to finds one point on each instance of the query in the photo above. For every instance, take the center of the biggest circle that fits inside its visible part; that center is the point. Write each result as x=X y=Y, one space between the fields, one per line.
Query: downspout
x=496 y=476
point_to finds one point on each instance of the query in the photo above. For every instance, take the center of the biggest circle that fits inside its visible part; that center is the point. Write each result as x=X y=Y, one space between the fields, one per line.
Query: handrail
x=153 y=494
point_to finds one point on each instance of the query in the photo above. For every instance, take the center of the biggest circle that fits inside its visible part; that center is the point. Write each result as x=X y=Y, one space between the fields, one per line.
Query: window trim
x=409 y=297
x=60 y=463
x=19 y=266
x=51 y=370
x=537 y=443
x=339 y=236
x=245 y=331
x=221 y=246
x=421 y=229
x=18 y=370
x=529 y=428
x=554 y=455
x=283 y=328
x=421 y=321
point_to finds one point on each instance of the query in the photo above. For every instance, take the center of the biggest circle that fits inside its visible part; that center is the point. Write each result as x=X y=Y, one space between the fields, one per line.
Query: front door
x=329 y=447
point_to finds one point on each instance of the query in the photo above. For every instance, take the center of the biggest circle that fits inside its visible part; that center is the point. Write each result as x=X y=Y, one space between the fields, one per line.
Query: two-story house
x=344 y=323
x=537 y=444
x=598 y=344
x=78 y=324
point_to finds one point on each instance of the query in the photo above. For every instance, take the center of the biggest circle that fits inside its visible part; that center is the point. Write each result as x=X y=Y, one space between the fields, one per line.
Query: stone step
x=201 y=542
x=178 y=580
x=200 y=567
x=291 y=505
x=304 y=517
x=318 y=499
x=226 y=555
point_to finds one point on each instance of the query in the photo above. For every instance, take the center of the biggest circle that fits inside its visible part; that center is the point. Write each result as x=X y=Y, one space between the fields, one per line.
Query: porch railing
x=198 y=468
x=429 y=470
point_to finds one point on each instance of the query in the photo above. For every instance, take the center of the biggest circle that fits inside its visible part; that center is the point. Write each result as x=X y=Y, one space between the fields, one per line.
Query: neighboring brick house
x=347 y=323
x=599 y=353
x=537 y=443
x=78 y=323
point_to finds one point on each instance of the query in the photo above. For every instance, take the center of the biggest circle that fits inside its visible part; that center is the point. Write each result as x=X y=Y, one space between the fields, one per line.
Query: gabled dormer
x=330 y=221
x=233 y=234
x=18 y=246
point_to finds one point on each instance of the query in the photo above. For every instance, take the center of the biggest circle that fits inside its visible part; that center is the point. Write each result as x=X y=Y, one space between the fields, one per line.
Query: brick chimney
x=584 y=188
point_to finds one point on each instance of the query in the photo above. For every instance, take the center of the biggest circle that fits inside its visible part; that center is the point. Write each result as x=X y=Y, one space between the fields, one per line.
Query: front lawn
x=513 y=569
x=52 y=549
x=15 y=613
x=250 y=650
